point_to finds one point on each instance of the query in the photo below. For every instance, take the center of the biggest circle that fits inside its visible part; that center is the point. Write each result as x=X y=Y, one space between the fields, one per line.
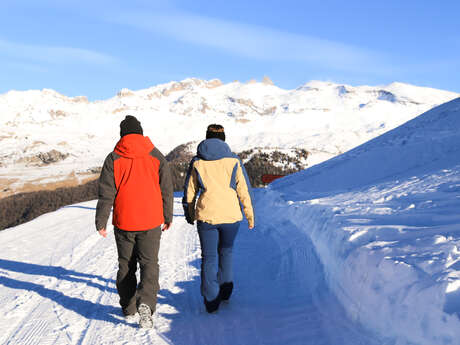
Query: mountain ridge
x=323 y=118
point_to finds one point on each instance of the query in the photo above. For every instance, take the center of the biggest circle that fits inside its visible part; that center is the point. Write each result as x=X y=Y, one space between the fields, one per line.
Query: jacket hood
x=214 y=149
x=134 y=146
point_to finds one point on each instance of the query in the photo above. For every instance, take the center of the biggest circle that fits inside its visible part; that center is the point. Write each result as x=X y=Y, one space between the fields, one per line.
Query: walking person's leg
x=148 y=247
x=127 y=266
x=209 y=238
x=227 y=235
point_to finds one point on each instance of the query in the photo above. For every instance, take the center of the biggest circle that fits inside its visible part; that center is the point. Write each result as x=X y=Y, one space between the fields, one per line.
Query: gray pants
x=137 y=247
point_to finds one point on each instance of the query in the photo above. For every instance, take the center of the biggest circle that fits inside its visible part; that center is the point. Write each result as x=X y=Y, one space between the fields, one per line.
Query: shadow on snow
x=87 y=309
x=280 y=297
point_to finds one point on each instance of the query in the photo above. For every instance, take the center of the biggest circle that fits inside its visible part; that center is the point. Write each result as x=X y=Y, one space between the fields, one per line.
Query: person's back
x=220 y=176
x=138 y=204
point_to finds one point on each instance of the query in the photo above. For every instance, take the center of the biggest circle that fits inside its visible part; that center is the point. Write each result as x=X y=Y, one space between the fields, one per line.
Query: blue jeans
x=216 y=256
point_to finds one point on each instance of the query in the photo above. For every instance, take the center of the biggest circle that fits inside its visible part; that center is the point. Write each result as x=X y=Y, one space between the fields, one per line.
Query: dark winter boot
x=212 y=306
x=226 y=291
x=129 y=311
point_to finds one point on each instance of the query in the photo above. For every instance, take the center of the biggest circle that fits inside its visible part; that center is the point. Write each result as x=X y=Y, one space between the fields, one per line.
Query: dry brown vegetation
x=20 y=208
x=38 y=185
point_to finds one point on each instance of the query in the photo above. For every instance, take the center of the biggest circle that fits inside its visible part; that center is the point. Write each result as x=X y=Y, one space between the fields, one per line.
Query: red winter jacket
x=136 y=180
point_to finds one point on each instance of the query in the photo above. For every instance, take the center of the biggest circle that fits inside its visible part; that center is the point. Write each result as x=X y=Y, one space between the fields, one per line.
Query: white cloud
x=52 y=54
x=256 y=42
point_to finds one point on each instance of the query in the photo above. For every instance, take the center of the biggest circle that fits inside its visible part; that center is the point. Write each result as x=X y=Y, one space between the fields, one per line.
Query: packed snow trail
x=57 y=287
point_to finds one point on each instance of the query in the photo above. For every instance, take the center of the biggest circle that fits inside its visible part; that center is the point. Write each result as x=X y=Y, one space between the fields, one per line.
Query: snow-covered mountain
x=360 y=249
x=46 y=137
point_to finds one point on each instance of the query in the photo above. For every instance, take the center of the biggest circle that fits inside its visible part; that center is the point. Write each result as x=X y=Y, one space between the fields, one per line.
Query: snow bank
x=384 y=219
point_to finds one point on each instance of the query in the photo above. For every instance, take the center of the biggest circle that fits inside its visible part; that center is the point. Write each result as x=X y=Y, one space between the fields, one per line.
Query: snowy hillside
x=384 y=220
x=360 y=250
x=47 y=137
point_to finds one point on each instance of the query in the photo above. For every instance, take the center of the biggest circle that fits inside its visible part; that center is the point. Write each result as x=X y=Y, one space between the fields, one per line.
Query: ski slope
x=57 y=287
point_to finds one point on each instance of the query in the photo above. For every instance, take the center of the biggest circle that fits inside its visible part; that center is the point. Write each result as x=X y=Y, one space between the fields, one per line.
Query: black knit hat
x=130 y=125
x=215 y=131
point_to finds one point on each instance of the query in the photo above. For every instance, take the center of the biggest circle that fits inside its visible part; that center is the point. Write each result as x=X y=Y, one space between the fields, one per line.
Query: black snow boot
x=212 y=306
x=226 y=291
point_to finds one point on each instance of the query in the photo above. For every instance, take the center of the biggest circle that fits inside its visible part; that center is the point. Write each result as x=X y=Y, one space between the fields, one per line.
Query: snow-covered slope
x=46 y=136
x=384 y=220
x=361 y=249
x=63 y=290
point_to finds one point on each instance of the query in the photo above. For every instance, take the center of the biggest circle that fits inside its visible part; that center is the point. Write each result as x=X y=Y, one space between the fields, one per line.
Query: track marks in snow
x=280 y=295
x=79 y=295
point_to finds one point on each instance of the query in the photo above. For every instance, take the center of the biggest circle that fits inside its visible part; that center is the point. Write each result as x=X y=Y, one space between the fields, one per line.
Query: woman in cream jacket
x=215 y=186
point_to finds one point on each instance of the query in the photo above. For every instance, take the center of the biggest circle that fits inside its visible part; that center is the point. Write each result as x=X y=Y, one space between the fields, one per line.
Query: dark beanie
x=215 y=131
x=130 y=125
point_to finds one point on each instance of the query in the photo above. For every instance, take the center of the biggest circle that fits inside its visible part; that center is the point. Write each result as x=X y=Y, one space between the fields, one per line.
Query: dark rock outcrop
x=257 y=161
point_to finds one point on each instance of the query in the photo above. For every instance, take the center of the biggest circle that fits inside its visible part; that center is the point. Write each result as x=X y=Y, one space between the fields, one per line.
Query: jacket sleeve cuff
x=100 y=226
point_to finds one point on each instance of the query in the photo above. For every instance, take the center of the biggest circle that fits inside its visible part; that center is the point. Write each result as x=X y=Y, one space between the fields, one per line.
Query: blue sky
x=95 y=48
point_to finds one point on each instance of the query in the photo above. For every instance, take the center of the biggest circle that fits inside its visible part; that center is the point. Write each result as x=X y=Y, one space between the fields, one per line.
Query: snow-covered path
x=57 y=287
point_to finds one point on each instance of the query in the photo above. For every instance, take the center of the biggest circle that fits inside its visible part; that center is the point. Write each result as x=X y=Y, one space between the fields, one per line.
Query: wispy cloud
x=52 y=54
x=256 y=42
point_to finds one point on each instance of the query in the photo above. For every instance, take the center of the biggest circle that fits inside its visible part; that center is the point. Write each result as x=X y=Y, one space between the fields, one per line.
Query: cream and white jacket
x=217 y=178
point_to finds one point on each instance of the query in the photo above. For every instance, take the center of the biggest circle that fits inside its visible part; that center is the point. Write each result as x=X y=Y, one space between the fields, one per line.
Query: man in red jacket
x=136 y=181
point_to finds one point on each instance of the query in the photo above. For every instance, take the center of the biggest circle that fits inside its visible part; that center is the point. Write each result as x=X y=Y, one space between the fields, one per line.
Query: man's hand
x=251 y=227
x=103 y=232
x=166 y=226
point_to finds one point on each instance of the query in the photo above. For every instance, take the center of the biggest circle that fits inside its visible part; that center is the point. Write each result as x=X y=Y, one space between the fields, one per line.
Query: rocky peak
x=267 y=81
x=125 y=93
x=182 y=153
